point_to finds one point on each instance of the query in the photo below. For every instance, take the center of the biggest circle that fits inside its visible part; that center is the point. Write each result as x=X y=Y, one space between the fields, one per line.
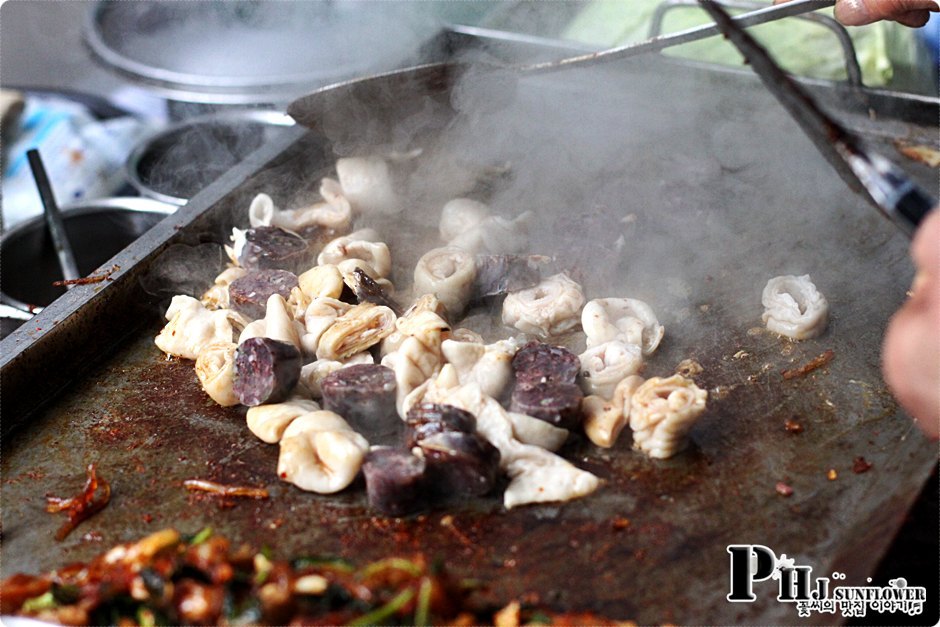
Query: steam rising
x=279 y=44
x=647 y=181
x=183 y=269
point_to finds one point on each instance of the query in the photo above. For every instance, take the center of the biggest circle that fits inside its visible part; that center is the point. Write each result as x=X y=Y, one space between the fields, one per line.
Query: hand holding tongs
x=885 y=185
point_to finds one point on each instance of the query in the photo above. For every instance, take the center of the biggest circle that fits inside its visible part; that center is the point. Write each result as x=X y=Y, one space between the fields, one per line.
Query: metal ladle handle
x=53 y=218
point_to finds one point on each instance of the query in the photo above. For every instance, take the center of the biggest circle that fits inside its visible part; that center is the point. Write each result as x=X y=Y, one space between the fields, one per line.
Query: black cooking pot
x=96 y=229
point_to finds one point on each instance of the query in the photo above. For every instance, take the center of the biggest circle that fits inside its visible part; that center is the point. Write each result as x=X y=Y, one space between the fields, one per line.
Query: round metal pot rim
x=207 y=87
x=131 y=165
x=84 y=207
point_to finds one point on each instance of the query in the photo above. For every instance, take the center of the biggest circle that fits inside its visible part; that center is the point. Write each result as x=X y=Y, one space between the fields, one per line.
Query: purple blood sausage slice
x=539 y=362
x=364 y=394
x=460 y=464
x=396 y=481
x=427 y=419
x=249 y=294
x=558 y=404
x=271 y=248
x=266 y=371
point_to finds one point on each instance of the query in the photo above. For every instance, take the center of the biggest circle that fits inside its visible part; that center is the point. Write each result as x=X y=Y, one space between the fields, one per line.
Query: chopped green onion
x=204 y=534
x=389 y=609
x=391 y=563
x=263 y=568
x=44 y=601
x=146 y=617
x=423 y=608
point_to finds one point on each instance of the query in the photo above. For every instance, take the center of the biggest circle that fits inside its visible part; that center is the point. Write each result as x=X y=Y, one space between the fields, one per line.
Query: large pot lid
x=255 y=47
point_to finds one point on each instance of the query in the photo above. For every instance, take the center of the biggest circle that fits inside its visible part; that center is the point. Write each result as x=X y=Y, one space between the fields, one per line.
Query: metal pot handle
x=853 y=71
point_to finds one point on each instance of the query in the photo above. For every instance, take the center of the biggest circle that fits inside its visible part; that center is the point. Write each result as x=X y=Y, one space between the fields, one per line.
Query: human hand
x=914 y=13
x=911 y=352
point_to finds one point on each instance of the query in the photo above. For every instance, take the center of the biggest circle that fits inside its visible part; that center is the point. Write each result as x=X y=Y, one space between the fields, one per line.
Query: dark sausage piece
x=271 y=248
x=249 y=294
x=368 y=291
x=396 y=481
x=364 y=394
x=460 y=464
x=427 y=419
x=501 y=274
x=266 y=371
x=538 y=362
x=558 y=404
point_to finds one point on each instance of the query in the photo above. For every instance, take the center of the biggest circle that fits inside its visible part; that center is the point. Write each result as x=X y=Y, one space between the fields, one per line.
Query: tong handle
x=902 y=200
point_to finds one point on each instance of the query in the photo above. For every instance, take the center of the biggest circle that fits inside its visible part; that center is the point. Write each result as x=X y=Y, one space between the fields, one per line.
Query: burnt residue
x=679 y=218
x=146 y=421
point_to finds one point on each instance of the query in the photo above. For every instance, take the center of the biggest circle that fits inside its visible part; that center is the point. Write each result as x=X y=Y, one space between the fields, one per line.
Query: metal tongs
x=884 y=184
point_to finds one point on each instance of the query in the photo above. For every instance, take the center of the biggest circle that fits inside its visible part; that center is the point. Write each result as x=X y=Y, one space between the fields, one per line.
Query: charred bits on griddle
x=860 y=465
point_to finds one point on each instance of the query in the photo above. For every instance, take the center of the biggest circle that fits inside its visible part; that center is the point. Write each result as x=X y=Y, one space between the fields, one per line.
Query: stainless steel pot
x=175 y=163
x=253 y=53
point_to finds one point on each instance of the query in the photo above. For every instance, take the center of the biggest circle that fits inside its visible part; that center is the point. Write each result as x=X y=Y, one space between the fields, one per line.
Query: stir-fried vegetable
x=168 y=578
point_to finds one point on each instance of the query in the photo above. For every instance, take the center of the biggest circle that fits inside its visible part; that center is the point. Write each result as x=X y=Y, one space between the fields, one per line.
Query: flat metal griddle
x=651 y=181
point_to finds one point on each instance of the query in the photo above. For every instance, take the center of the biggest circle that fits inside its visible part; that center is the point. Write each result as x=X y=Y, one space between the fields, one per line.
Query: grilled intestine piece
x=449 y=274
x=662 y=412
x=312 y=374
x=496 y=235
x=192 y=327
x=215 y=369
x=268 y=422
x=626 y=319
x=320 y=453
x=536 y=475
x=605 y=365
x=320 y=315
x=488 y=365
x=334 y=212
x=794 y=307
x=216 y=297
x=604 y=419
x=278 y=324
x=461 y=215
x=428 y=302
x=374 y=254
x=321 y=280
x=549 y=308
x=529 y=430
x=367 y=183
x=356 y=330
x=413 y=363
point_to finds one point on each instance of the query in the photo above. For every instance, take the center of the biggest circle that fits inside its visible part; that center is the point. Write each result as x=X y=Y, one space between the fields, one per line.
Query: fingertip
x=914 y=19
x=853 y=13
x=925 y=249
